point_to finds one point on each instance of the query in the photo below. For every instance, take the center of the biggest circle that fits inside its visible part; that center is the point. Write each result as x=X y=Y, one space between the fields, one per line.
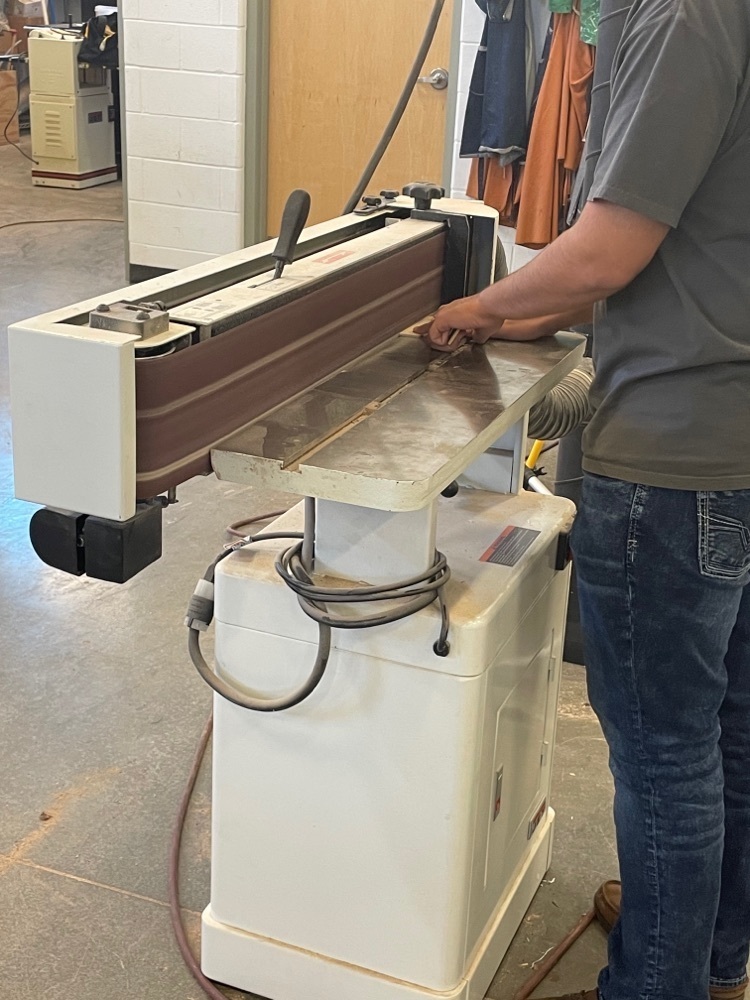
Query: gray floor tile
x=64 y=940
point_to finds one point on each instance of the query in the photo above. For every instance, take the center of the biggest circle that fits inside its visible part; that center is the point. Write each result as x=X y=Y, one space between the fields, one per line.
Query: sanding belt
x=189 y=401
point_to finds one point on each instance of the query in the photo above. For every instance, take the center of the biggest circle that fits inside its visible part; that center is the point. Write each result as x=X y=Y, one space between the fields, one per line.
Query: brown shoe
x=607 y=903
x=729 y=992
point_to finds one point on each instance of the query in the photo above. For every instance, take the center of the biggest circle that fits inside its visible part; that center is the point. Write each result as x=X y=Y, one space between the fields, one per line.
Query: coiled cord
x=412 y=595
x=417 y=593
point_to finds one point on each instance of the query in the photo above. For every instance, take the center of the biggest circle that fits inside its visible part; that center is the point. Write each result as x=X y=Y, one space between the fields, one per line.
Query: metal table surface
x=392 y=430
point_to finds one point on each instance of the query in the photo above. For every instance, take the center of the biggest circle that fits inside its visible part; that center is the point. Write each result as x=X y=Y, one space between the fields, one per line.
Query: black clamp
x=564 y=552
x=424 y=193
x=375 y=203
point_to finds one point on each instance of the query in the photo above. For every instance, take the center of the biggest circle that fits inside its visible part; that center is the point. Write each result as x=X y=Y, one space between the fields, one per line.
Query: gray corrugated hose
x=565 y=408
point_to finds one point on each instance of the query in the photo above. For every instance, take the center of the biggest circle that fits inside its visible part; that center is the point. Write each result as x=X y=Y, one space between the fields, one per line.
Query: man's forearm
x=563 y=281
x=543 y=326
x=605 y=250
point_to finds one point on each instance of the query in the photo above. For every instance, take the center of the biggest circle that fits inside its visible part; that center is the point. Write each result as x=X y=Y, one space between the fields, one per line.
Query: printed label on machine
x=511 y=546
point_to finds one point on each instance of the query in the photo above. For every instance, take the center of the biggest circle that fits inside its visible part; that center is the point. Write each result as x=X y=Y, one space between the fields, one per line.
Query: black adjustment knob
x=450 y=491
x=371 y=200
x=424 y=193
x=389 y=195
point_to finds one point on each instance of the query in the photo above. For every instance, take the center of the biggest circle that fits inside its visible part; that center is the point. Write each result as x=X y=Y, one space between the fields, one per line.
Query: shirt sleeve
x=675 y=87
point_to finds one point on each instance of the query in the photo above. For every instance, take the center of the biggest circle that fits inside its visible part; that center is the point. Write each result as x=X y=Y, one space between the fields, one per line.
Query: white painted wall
x=184 y=87
x=472 y=24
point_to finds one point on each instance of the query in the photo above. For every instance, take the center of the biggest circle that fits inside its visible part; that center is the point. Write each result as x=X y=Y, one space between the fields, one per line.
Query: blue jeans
x=664 y=583
x=496 y=117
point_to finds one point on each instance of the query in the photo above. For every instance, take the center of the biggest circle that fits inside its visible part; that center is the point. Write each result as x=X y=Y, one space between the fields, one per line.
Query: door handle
x=438 y=79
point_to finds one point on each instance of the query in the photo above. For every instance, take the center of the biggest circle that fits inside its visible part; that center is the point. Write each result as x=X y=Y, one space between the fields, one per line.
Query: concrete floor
x=101 y=710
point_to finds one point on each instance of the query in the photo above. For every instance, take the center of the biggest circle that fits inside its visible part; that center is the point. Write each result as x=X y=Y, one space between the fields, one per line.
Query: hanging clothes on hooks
x=588 y=10
x=495 y=123
x=504 y=87
x=557 y=136
x=529 y=176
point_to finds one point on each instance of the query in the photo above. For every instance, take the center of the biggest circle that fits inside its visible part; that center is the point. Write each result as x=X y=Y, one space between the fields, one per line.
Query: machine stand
x=234 y=957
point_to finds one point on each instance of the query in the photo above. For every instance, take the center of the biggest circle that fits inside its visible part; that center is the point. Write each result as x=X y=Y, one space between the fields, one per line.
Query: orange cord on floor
x=554 y=957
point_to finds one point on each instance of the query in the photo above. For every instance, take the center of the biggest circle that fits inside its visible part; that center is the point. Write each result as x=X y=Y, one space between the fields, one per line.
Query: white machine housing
x=383 y=840
x=72 y=115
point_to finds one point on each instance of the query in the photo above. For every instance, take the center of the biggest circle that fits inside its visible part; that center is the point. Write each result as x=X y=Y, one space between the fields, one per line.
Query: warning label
x=511 y=546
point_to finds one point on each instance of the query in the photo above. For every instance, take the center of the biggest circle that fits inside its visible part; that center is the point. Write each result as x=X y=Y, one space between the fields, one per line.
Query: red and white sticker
x=334 y=258
x=511 y=546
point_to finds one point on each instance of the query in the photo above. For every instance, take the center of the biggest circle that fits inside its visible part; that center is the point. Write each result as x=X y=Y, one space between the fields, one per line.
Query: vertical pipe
x=308 y=544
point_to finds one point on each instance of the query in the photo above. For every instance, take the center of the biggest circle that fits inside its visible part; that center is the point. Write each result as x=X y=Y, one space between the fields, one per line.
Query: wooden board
x=8 y=104
x=18 y=23
x=337 y=68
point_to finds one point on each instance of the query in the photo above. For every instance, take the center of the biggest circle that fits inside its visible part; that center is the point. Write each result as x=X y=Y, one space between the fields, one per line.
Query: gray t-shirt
x=672 y=351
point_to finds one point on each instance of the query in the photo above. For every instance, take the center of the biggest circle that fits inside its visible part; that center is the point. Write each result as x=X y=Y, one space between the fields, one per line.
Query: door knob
x=438 y=78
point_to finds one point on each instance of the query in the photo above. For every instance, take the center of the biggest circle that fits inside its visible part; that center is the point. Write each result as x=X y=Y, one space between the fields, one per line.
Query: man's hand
x=511 y=329
x=460 y=321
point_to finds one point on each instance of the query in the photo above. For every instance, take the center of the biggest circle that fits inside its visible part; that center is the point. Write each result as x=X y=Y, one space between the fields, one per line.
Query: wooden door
x=337 y=68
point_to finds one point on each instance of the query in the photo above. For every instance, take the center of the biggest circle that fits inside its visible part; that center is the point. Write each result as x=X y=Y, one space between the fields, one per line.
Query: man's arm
x=607 y=248
x=523 y=330
x=543 y=326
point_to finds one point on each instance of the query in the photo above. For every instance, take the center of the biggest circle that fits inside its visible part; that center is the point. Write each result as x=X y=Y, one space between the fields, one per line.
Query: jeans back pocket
x=724 y=534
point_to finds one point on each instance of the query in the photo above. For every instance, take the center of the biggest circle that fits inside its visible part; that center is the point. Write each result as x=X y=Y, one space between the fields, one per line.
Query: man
x=662 y=541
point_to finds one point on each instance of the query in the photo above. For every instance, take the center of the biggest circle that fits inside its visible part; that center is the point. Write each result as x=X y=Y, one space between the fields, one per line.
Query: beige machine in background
x=72 y=115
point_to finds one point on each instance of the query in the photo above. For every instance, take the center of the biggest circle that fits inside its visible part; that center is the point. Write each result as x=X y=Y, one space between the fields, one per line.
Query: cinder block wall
x=184 y=83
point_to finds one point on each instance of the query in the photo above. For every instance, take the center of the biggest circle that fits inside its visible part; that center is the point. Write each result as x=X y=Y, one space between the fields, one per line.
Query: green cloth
x=589 y=17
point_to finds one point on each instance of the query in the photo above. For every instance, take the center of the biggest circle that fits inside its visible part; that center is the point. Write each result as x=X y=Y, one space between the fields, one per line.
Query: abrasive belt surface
x=189 y=401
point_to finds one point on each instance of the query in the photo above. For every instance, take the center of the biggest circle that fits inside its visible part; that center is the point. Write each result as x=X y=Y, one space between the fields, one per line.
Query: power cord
x=50 y=222
x=235 y=530
x=175 y=848
x=200 y=615
x=418 y=592
x=412 y=596
x=7 y=137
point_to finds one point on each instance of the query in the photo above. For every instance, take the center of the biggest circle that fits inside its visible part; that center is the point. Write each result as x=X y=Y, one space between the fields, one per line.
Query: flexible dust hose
x=399 y=110
x=565 y=408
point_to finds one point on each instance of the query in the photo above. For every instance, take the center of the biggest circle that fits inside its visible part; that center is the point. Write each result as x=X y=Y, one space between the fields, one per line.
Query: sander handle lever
x=293 y=221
